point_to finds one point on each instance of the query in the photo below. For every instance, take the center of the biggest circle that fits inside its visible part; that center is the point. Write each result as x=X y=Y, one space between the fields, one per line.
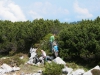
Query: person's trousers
x=51 y=46
x=56 y=54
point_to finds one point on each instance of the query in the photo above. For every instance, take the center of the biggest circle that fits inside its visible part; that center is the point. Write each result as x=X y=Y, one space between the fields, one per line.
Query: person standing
x=55 y=48
x=52 y=39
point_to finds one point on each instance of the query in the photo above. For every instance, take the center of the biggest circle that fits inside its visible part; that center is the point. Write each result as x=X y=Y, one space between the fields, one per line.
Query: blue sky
x=63 y=10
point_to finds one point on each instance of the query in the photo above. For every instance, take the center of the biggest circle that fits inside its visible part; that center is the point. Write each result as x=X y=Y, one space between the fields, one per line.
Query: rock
x=78 y=72
x=15 y=68
x=39 y=71
x=33 y=57
x=6 y=68
x=58 y=60
x=89 y=72
x=21 y=57
x=36 y=74
x=67 y=70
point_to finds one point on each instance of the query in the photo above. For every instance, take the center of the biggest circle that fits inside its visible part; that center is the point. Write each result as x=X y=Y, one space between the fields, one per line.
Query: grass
x=30 y=68
x=75 y=66
x=24 y=68
x=27 y=68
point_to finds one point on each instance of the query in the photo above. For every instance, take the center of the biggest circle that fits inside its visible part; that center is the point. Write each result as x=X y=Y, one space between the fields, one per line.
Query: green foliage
x=81 y=41
x=63 y=55
x=76 y=66
x=13 y=61
x=20 y=36
x=53 y=69
x=11 y=53
x=73 y=65
x=45 y=42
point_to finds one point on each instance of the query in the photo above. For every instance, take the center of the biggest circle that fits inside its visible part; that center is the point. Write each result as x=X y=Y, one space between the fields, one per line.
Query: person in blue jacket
x=55 y=48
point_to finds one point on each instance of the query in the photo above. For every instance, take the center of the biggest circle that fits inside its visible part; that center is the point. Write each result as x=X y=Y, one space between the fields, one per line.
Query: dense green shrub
x=20 y=36
x=81 y=41
x=53 y=69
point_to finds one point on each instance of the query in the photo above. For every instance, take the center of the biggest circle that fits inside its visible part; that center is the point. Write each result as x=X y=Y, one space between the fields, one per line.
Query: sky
x=63 y=10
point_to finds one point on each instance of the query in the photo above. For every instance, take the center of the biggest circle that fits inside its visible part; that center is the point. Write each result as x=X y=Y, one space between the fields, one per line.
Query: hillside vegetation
x=77 y=41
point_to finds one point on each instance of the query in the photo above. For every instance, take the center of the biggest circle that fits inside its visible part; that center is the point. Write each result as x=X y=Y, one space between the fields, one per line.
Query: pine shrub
x=53 y=69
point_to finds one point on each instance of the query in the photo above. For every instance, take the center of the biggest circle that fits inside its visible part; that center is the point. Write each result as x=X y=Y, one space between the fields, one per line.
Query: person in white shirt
x=44 y=55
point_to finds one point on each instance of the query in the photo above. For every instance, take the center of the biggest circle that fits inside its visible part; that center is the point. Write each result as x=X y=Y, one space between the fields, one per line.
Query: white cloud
x=82 y=12
x=35 y=15
x=46 y=10
x=11 y=11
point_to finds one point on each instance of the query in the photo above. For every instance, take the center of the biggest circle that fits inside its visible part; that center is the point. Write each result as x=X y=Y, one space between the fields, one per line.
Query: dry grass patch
x=27 y=69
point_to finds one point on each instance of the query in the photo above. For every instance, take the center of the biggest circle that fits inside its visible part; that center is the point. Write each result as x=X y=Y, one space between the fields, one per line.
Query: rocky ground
x=27 y=69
